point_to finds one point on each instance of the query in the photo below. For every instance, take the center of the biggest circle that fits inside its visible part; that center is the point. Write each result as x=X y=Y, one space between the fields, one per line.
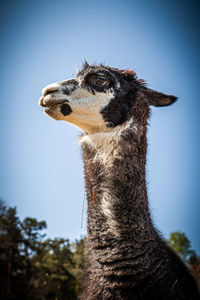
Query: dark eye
x=98 y=81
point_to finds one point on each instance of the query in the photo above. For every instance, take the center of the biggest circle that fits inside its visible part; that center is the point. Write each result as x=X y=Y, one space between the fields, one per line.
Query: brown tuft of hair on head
x=129 y=72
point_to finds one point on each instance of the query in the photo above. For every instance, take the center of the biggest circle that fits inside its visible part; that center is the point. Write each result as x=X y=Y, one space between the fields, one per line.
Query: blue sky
x=45 y=41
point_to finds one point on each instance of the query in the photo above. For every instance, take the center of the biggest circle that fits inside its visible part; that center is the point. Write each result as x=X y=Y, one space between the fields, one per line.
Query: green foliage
x=181 y=245
x=34 y=268
x=55 y=279
x=11 y=261
x=78 y=255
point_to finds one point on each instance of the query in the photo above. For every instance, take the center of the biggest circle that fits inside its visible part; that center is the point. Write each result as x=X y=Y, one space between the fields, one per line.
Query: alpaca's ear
x=159 y=99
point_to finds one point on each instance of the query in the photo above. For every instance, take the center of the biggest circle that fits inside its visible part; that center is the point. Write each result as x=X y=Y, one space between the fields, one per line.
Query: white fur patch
x=107 y=208
x=106 y=143
x=51 y=87
x=86 y=110
x=85 y=107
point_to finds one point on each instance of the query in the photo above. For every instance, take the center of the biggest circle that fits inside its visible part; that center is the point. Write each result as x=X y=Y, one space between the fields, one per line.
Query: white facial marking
x=51 y=88
x=85 y=106
x=86 y=110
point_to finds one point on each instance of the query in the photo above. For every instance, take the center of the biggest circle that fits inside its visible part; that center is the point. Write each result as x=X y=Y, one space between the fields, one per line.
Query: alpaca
x=126 y=257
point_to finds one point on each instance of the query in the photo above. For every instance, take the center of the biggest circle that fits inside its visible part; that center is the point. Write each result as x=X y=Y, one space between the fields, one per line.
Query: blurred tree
x=78 y=256
x=31 y=228
x=55 y=265
x=11 y=261
x=181 y=245
x=31 y=268
x=32 y=243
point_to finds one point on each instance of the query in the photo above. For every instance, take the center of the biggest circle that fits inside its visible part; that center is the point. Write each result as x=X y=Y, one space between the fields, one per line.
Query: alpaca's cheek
x=91 y=123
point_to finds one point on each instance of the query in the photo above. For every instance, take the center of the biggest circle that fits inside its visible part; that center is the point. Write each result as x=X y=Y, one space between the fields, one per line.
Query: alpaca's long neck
x=126 y=257
x=119 y=223
x=115 y=185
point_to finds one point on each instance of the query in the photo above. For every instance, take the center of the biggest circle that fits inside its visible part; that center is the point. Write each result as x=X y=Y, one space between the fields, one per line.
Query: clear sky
x=44 y=42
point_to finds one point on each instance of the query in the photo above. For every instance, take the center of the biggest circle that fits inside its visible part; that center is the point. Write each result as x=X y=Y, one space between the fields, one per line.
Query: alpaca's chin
x=53 y=112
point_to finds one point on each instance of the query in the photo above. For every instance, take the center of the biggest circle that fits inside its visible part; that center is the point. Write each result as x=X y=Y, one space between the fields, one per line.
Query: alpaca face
x=98 y=99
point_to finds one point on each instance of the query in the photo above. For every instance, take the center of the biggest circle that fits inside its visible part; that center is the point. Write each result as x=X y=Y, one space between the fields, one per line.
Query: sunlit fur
x=127 y=259
x=85 y=107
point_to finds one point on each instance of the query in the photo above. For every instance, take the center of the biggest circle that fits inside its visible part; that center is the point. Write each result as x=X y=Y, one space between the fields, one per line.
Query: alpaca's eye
x=98 y=81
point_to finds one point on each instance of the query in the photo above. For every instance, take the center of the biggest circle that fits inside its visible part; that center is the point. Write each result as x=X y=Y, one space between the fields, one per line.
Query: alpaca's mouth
x=48 y=102
x=49 y=105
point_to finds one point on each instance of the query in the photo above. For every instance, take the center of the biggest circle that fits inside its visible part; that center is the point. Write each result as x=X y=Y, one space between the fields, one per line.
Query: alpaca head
x=99 y=98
